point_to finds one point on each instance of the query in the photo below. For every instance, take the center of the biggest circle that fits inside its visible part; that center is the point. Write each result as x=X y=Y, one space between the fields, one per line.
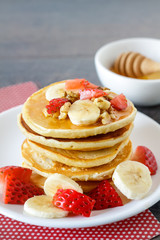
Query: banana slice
x=83 y=112
x=56 y=181
x=41 y=206
x=56 y=91
x=133 y=179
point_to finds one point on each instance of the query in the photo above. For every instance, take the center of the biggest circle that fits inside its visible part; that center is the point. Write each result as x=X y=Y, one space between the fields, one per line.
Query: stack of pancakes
x=87 y=154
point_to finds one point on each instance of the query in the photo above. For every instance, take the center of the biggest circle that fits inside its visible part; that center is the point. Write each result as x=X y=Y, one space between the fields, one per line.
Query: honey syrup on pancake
x=96 y=138
x=39 y=102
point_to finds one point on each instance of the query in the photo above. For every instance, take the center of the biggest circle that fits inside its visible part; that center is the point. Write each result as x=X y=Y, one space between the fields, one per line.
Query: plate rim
x=83 y=222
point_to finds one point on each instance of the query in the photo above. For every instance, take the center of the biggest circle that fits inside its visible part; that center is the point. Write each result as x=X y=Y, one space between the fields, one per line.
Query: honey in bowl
x=155 y=75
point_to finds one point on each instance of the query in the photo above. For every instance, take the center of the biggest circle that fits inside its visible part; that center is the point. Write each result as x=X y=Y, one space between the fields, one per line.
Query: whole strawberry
x=145 y=155
x=105 y=196
x=73 y=201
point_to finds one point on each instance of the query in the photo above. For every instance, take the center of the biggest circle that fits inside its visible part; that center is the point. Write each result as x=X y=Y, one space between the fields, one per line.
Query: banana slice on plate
x=57 y=181
x=56 y=91
x=133 y=179
x=83 y=112
x=41 y=206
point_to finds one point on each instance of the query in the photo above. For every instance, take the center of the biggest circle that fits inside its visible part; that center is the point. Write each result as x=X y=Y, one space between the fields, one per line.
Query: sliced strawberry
x=73 y=201
x=145 y=155
x=17 y=192
x=119 y=102
x=55 y=104
x=91 y=93
x=105 y=196
x=21 y=173
x=76 y=84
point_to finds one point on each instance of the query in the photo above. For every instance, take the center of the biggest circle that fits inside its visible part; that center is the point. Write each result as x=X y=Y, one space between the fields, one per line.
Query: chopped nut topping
x=46 y=114
x=105 y=118
x=113 y=113
x=72 y=96
x=64 y=110
x=56 y=114
x=111 y=95
x=102 y=103
x=107 y=91
x=104 y=88
x=62 y=116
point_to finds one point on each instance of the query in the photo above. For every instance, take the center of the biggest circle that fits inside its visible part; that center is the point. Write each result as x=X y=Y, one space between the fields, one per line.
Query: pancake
x=75 y=158
x=84 y=144
x=87 y=186
x=37 y=179
x=46 y=167
x=34 y=117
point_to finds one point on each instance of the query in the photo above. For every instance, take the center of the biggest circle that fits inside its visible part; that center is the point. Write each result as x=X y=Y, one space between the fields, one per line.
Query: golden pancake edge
x=33 y=116
x=74 y=158
x=45 y=167
x=84 y=144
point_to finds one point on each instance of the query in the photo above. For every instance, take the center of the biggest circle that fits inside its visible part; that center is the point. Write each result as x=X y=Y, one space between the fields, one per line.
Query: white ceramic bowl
x=140 y=92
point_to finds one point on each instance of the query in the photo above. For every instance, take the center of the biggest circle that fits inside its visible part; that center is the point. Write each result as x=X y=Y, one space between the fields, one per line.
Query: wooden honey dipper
x=132 y=64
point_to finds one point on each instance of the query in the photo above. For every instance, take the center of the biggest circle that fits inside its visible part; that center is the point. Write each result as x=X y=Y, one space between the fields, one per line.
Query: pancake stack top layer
x=85 y=138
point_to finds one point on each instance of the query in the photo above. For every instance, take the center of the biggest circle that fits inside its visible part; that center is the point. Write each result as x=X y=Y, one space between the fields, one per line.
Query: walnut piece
x=64 y=110
x=46 y=114
x=72 y=96
x=102 y=103
x=105 y=117
x=113 y=113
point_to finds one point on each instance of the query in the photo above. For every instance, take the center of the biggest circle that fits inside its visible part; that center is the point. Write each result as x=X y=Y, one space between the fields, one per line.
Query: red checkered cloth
x=14 y=95
x=142 y=226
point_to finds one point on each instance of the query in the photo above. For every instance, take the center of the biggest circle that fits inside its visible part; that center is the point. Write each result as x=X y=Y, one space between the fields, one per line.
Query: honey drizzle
x=38 y=102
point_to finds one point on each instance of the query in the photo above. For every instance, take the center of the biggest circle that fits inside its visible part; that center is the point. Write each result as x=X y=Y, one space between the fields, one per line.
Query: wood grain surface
x=49 y=40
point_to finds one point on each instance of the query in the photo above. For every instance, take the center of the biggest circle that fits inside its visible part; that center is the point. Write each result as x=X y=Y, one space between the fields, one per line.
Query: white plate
x=146 y=132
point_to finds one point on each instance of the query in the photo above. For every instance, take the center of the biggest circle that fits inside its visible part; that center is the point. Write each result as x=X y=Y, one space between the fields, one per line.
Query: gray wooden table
x=51 y=40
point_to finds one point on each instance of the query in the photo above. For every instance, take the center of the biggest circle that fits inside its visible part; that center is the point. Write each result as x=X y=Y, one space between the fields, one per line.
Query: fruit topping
x=17 y=192
x=76 y=84
x=23 y=174
x=56 y=181
x=55 y=105
x=41 y=206
x=73 y=201
x=105 y=196
x=133 y=179
x=91 y=93
x=83 y=112
x=144 y=155
x=119 y=102
x=67 y=102
x=16 y=185
x=56 y=91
